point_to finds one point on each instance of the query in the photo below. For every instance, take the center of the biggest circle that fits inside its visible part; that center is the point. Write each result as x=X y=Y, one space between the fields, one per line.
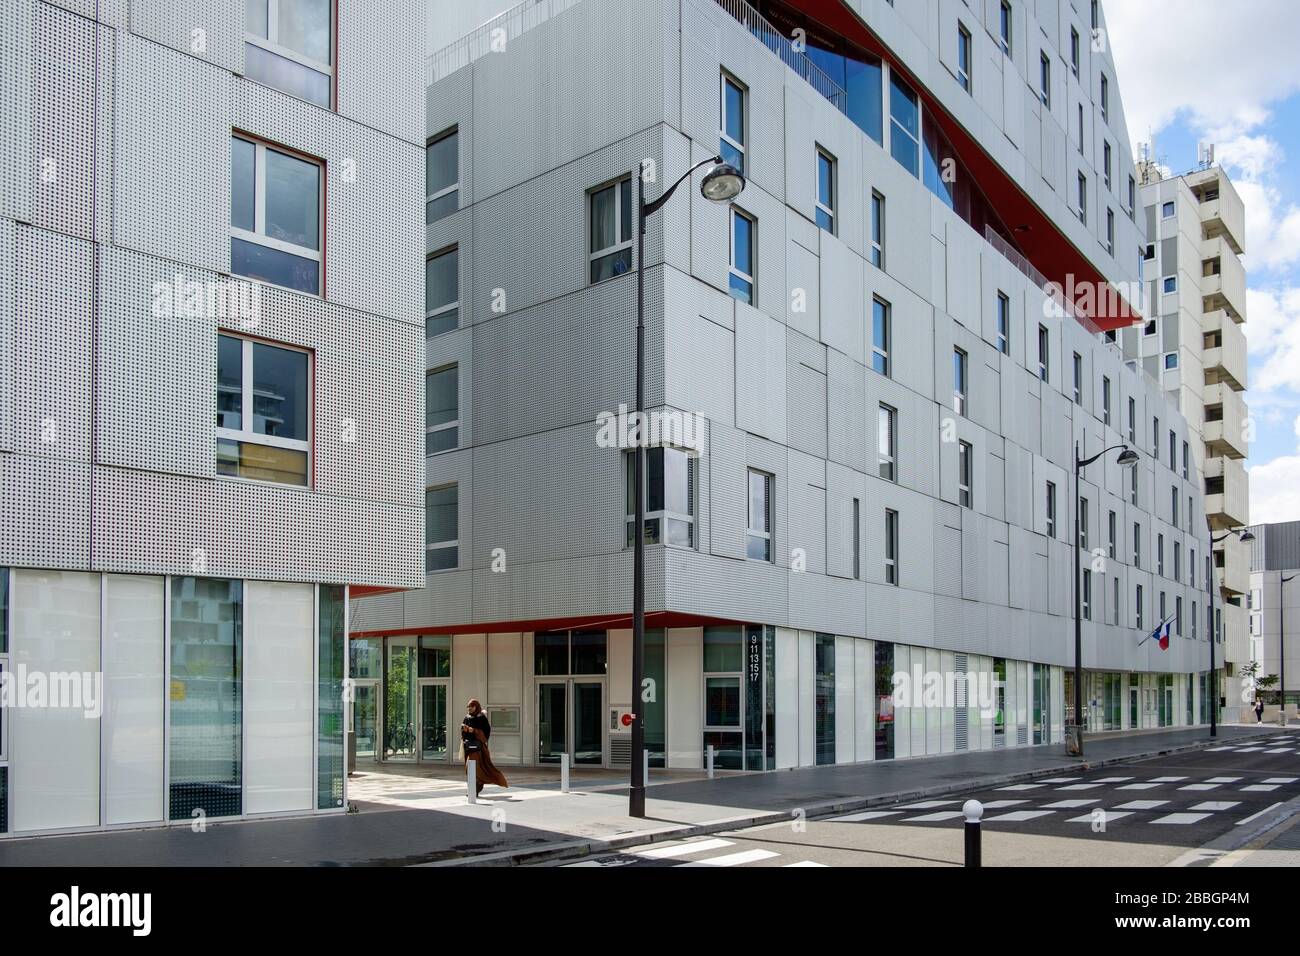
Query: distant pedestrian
x=474 y=733
x=1259 y=710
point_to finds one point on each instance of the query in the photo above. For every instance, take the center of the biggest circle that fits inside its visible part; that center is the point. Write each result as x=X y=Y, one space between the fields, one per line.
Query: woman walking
x=474 y=733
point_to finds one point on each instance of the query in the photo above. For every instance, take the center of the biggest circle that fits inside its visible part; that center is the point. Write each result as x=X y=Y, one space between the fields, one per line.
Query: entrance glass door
x=433 y=720
x=569 y=720
x=401 y=700
x=365 y=718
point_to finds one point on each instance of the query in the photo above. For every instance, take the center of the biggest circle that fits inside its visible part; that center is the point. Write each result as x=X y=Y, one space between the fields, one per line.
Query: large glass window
x=759 y=533
x=884 y=700
x=263 y=411
x=206 y=712
x=442 y=176
x=558 y=653
x=731 y=146
x=275 y=215
x=655 y=720
x=442 y=410
x=611 y=230
x=724 y=666
x=331 y=712
x=741 y=273
x=442 y=528
x=904 y=125
x=880 y=335
x=442 y=292
x=825 y=699
x=669 y=498
x=289 y=44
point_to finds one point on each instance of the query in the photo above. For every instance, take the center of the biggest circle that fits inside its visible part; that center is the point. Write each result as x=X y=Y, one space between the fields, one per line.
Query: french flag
x=1161 y=633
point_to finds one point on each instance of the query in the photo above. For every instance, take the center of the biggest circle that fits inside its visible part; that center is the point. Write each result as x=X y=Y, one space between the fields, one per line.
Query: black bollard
x=973 y=810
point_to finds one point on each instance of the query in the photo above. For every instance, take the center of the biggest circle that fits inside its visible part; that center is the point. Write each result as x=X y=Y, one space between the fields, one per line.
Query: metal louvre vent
x=620 y=750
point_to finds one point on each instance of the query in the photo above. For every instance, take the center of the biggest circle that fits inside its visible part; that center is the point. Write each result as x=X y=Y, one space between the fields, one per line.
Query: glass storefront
x=206 y=760
x=825 y=698
x=724 y=668
x=884 y=700
x=571 y=709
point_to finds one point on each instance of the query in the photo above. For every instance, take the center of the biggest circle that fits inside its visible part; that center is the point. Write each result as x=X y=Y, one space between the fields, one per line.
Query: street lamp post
x=1211 y=585
x=1127 y=458
x=1281 y=649
x=721 y=184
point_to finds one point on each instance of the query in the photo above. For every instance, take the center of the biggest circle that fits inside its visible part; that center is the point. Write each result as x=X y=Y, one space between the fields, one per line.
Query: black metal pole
x=1281 y=646
x=1214 y=676
x=1078 y=621
x=636 y=795
x=973 y=811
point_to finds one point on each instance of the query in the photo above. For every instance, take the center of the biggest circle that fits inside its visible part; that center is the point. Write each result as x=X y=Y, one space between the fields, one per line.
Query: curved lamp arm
x=648 y=209
x=1088 y=461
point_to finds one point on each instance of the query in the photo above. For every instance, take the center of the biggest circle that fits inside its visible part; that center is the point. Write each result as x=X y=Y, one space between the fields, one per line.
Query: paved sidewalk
x=538 y=822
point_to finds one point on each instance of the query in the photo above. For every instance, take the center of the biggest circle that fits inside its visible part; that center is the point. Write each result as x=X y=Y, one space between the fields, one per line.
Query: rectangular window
x=877 y=230
x=1051 y=509
x=1137 y=546
x=731 y=145
x=904 y=125
x=880 y=335
x=1078 y=379
x=205 y=726
x=1137 y=608
x=1045 y=79
x=1178 y=561
x=1132 y=197
x=1083 y=199
x=759 y=531
x=442 y=528
x=1105 y=400
x=1191 y=567
x=1132 y=421
x=959 y=366
x=1087 y=594
x=442 y=292
x=1167 y=210
x=1185 y=460
x=1110 y=231
x=1173 y=448
x=825 y=190
x=1114 y=601
x=1083 y=523
x=1160 y=555
x=1171 y=360
x=442 y=176
x=1110 y=533
x=1074 y=50
x=963 y=57
x=1194 y=620
x=1004 y=324
x=1155 y=439
x=1105 y=98
x=1043 y=368
x=670 y=482
x=1004 y=27
x=276 y=198
x=442 y=410
x=741 y=279
x=289 y=45
x=886 y=431
x=1170 y=284
x=857 y=539
x=1173 y=506
x=1081 y=129
x=611 y=230
x=263 y=411
x=891 y=547
x=965 y=473
x=1106 y=162
x=1133 y=486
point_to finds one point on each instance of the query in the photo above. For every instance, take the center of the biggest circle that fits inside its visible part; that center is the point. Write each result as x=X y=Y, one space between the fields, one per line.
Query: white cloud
x=1220 y=63
x=1275 y=490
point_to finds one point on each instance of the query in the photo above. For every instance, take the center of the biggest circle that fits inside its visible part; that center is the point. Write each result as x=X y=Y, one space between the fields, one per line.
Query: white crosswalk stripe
x=1217 y=805
x=1080 y=786
x=1139 y=786
x=1022 y=786
x=1114 y=779
x=1019 y=816
x=928 y=804
x=682 y=849
x=805 y=863
x=1142 y=804
x=1260 y=788
x=1071 y=804
x=1223 y=780
x=998 y=804
x=1200 y=786
x=1280 y=780
x=935 y=817
x=1182 y=819
x=1167 y=779
x=734 y=859
x=1110 y=816
x=865 y=815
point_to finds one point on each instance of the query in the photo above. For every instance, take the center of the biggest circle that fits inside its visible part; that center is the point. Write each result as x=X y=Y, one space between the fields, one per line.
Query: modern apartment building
x=889 y=400
x=1273 y=611
x=1193 y=343
x=210 y=353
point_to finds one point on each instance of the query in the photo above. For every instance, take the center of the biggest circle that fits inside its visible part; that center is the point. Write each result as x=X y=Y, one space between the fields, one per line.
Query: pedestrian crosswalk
x=696 y=852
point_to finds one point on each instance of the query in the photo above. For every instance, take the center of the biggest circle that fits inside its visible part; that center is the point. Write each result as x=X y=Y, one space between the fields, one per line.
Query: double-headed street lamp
x=721 y=184
x=1128 y=459
x=1210 y=584
x=1281 y=647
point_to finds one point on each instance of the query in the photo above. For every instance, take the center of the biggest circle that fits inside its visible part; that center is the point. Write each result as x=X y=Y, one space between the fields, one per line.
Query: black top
x=480 y=721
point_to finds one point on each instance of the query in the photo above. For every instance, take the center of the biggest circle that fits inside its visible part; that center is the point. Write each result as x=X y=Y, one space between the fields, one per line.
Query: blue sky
x=1229 y=74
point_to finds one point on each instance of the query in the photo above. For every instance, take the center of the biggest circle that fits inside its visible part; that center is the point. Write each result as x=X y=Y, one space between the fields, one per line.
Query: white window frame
x=891 y=547
x=1044 y=354
x=764 y=534
x=1112 y=524
x=965 y=474
x=246 y=435
x=1114 y=590
x=1164 y=285
x=890 y=458
x=1105 y=400
x=884 y=352
x=1045 y=79
x=731 y=250
x=454 y=187
x=455 y=303
x=1106 y=161
x=1168 y=209
x=1004 y=323
x=455 y=422
x=878 y=229
x=966 y=46
x=1051 y=509
x=1083 y=198
x=723 y=79
x=1086 y=596
x=451 y=542
x=824 y=154
x=619 y=245
x=258 y=235
x=271 y=44
x=692 y=491
x=1137 y=607
x=1006 y=29
x=960 y=372
x=1075 y=44
x=1105 y=97
x=1077 y=371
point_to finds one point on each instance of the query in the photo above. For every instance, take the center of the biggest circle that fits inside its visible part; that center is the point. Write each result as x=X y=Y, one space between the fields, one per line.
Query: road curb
x=579 y=847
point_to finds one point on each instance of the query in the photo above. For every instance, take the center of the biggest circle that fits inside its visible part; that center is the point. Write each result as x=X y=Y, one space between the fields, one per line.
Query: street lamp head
x=722 y=183
x=1128 y=458
x=1246 y=536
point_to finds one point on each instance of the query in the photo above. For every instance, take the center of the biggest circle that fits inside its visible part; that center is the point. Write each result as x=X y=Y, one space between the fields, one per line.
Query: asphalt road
x=1141 y=813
